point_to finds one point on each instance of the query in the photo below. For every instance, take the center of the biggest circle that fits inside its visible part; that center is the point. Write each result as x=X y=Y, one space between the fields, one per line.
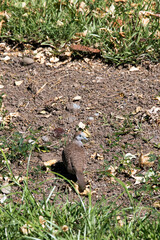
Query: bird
x=74 y=157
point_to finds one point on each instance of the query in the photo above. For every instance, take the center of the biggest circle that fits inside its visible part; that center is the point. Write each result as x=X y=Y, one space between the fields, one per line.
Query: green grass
x=74 y=220
x=119 y=34
x=80 y=219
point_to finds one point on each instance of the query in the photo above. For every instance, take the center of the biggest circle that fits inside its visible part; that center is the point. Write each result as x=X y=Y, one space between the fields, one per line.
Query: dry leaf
x=81 y=125
x=144 y=160
x=59 y=23
x=6 y=58
x=85 y=192
x=156 y=204
x=82 y=34
x=157 y=98
x=18 y=83
x=54 y=59
x=42 y=221
x=77 y=98
x=139 y=179
x=6 y=188
x=123 y=1
x=15 y=114
x=50 y=163
x=153 y=110
x=26 y=229
x=87 y=133
x=120 y=222
x=148 y=13
x=96 y=155
x=145 y=21
x=122 y=34
x=133 y=69
x=1 y=23
x=65 y=228
x=43 y=112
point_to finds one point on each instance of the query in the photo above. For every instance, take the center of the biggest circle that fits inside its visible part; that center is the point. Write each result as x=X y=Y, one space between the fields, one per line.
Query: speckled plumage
x=73 y=157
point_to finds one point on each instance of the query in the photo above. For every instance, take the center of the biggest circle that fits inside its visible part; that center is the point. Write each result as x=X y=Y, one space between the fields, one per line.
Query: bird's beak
x=84 y=136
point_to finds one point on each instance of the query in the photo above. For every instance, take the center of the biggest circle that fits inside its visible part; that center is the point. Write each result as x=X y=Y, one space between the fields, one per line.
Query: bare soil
x=109 y=95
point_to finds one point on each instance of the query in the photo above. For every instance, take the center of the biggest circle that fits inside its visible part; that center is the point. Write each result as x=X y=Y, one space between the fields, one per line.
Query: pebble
x=91 y=118
x=71 y=119
x=72 y=107
x=27 y=61
x=6 y=188
x=45 y=138
x=96 y=114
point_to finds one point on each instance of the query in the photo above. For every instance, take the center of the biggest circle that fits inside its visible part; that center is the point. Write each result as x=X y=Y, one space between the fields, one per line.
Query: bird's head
x=79 y=136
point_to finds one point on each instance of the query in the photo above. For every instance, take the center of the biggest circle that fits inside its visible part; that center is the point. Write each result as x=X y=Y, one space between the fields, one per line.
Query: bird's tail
x=81 y=181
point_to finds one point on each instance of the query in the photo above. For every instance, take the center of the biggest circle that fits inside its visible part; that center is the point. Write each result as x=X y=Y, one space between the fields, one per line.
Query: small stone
x=27 y=61
x=91 y=118
x=71 y=107
x=77 y=98
x=71 y=119
x=96 y=114
x=6 y=58
x=2 y=198
x=133 y=69
x=18 y=83
x=6 y=188
x=54 y=59
x=45 y=138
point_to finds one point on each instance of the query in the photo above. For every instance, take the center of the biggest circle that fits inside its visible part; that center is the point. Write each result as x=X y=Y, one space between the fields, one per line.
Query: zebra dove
x=73 y=157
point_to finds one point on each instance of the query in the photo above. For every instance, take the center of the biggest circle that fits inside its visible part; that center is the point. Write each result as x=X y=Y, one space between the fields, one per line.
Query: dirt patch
x=44 y=101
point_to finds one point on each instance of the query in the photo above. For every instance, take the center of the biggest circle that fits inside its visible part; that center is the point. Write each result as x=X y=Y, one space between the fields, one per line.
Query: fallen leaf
x=120 y=222
x=3 y=198
x=15 y=114
x=43 y=112
x=42 y=221
x=85 y=192
x=26 y=229
x=123 y=1
x=50 y=163
x=6 y=188
x=54 y=59
x=157 y=98
x=1 y=23
x=148 y=13
x=6 y=58
x=82 y=34
x=139 y=179
x=18 y=83
x=77 y=98
x=87 y=133
x=133 y=69
x=81 y=125
x=59 y=23
x=156 y=204
x=65 y=228
x=153 y=110
x=145 y=21
x=96 y=155
x=144 y=160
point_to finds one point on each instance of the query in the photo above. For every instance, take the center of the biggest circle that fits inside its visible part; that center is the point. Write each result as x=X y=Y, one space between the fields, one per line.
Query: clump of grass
x=45 y=219
x=116 y=28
